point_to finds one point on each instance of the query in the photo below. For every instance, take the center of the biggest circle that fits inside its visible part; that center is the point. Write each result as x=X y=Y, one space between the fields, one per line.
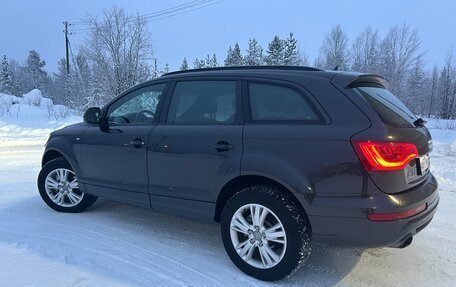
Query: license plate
x=424 y=163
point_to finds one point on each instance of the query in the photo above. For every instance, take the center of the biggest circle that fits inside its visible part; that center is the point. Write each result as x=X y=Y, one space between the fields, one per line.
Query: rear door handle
x=137 y=142
x=222 y=146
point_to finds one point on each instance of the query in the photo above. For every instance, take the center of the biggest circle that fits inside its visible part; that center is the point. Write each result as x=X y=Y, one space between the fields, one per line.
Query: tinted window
x=278 y=103
x=139 y=107
x=203 y=102
x=389 y=107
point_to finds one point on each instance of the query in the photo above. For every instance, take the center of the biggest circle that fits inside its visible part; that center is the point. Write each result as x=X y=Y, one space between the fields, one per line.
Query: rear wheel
x=59 y=188
x=265 y=233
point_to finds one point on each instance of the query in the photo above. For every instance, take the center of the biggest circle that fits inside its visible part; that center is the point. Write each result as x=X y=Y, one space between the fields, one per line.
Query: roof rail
x=230 y=68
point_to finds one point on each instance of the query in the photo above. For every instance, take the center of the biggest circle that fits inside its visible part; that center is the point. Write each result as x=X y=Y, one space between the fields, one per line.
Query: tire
x=256 y=241
x=58 y=187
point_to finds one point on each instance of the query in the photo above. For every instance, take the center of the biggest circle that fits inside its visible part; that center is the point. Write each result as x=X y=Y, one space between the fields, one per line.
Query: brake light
x=385 y=156
x=396 y=215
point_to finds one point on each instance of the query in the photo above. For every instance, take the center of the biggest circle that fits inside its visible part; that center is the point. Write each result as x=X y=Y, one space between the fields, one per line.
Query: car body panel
x=110 y=162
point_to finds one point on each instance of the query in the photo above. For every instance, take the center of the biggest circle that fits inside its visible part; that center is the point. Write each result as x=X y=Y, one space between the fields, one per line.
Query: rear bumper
x=343 y=221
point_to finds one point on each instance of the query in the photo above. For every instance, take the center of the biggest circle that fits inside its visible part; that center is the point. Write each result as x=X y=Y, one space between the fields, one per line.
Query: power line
x=159 y=15
x=149 y=14
x=154 y=16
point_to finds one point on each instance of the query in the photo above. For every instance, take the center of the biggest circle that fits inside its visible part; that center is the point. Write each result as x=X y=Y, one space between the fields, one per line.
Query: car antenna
x=336 y=68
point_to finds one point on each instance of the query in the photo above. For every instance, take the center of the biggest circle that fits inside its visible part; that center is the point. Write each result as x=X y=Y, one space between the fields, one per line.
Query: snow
x=114 y=244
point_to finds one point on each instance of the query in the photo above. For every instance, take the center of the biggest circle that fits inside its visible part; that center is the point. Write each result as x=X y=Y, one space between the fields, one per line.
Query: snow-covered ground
x=113 y=244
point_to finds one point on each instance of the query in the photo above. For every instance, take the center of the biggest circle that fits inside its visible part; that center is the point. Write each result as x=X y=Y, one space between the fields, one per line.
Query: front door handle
x=222 y=146
x=137 y=142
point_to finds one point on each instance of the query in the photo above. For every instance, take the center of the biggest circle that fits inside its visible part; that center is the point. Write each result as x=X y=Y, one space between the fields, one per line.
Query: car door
x=198 y=143
x=114 y=154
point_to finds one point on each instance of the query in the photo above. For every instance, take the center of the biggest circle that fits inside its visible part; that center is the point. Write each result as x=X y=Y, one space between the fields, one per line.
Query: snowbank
x=32 y=105
x=29 y=119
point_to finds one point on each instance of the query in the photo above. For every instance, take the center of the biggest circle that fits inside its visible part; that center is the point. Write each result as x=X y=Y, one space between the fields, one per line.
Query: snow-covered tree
x=291 y=51
x=447 y=90
x=318 y=63
x=254 y=56
x=417 y=89
x=334 y=51
x=118 y=48
x=184 y=65
x=365 y=51
x=433 y=91
x=399 y=52
x=166 y=69
x=234 y=56
x=6 y=82
x=211 y=62
x=275 y=55
x=199 y=64
x=33 y=74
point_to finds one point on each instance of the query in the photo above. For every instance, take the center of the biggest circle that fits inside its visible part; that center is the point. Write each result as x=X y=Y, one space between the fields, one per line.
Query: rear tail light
x=396 y=215
x=385 y=156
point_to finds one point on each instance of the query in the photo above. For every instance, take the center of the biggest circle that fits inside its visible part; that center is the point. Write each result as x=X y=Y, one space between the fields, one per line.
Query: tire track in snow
x=100 y=237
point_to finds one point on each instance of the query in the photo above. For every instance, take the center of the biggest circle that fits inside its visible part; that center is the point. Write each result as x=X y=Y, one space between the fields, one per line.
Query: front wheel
x=265 y=233
x=59 y=188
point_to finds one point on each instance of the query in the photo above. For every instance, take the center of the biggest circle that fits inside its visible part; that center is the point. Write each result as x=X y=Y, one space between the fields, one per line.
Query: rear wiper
x=419 y=122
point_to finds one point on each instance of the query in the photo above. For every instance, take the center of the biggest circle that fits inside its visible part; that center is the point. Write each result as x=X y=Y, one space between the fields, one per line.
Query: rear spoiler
x=369 y=80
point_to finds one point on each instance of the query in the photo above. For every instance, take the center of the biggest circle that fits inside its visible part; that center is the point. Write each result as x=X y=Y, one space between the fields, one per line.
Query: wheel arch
x=50 y=155
x=243 y=181
x=56 y=152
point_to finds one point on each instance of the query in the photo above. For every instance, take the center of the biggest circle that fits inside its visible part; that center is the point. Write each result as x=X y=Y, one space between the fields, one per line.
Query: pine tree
x=166 y=69
x=34 y=67
x=276 y=52
x=199 y=64
x=6 y=82
x=234 y=56
x=211 y=62
x=254 y=55
x=291 y=52
x=184 y=65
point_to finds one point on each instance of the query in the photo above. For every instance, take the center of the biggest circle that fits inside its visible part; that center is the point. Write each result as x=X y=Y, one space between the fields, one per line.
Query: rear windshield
x=392 y=111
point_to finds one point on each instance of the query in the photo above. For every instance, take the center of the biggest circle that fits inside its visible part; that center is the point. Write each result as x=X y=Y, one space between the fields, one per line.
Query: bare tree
x=399 y=50
x=117 y=49
x=365 y=52
x=334 y=50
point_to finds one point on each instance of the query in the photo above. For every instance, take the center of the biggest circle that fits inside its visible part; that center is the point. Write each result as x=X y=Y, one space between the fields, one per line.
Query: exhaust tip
x=407 y=242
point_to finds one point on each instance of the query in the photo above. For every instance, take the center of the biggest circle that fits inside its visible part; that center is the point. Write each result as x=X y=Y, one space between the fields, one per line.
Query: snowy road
x=119 y=245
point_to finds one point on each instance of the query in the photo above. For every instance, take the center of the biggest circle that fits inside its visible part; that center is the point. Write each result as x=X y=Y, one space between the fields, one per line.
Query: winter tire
x=265 y=233
x=59 y=188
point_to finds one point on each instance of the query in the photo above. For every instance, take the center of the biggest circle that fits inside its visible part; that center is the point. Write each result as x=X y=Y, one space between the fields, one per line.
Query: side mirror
x=92 y=116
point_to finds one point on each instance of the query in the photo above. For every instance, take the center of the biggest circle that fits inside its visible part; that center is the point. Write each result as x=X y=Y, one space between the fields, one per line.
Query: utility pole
x=65 y=31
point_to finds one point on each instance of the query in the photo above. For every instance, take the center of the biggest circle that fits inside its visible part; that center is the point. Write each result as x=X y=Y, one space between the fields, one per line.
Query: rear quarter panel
x=312 y=159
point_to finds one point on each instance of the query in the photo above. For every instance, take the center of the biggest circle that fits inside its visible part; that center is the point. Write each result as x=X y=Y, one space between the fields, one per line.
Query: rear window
x=392 y=111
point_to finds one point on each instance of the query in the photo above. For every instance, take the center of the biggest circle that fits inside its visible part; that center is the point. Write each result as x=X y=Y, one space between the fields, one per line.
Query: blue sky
x=31 y=24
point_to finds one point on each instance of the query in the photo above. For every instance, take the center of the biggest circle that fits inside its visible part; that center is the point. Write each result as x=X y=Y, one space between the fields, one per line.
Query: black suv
x=280 y=156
